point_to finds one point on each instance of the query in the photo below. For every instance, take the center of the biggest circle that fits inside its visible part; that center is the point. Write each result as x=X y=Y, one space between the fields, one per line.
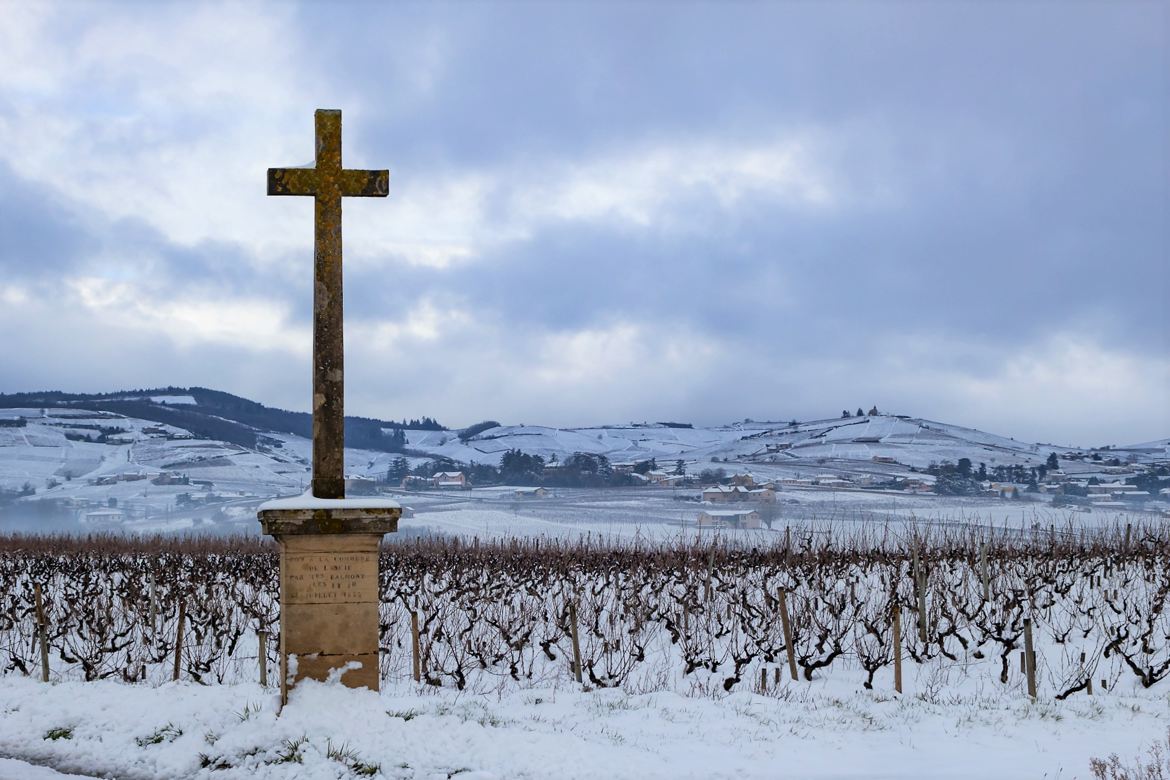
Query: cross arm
x=292 y=181
x=365 y=184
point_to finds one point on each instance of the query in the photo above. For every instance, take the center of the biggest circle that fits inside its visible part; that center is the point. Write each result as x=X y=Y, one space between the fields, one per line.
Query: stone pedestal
x=329 y=586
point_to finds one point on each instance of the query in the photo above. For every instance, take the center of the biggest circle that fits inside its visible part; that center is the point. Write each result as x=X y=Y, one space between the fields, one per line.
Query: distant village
x=1102 y=483
x=723 y=494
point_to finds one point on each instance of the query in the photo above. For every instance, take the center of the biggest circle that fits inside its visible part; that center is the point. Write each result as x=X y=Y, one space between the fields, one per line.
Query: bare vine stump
x=329 y=587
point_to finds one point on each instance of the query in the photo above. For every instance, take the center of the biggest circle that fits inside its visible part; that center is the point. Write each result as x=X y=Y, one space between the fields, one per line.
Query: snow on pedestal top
x=308 y=501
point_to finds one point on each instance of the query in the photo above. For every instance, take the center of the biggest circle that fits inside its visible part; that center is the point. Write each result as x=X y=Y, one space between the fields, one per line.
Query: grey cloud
x=1001 y=172
x=38 y=236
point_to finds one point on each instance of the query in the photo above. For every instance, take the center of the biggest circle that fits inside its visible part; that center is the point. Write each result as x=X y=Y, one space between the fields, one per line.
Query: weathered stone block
x=318 y=667
x=329 y=628
x=329 y=590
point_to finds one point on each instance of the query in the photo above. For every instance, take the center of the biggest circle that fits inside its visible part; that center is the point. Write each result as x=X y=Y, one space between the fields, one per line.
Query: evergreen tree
x=519 y=468
x=1053 y=462
x=397 y=470
x=860 y=413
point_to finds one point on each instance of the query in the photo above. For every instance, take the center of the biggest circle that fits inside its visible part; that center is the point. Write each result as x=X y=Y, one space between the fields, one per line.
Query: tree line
x=581 y=469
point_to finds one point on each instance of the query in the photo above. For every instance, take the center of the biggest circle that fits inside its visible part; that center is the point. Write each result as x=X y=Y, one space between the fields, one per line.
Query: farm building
x=450 y=480
x=721 y=494
x=360 y=486
x=729 y=518
x=663 y=479
x=103 y=516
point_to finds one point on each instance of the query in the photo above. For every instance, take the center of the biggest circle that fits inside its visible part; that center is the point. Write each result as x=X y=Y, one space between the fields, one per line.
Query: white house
x=729 y=518
x=103 y=516
x=449 y=480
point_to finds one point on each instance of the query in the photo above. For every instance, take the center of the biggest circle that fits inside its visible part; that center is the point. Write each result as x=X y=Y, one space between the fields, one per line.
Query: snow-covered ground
x=15 y=769
x=798 y=730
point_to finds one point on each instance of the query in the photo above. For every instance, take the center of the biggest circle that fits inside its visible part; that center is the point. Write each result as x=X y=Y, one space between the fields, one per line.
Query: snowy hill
x=181 y=456
x=908 y=441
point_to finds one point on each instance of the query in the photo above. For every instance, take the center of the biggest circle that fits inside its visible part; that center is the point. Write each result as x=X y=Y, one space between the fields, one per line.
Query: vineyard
x=1050 y=614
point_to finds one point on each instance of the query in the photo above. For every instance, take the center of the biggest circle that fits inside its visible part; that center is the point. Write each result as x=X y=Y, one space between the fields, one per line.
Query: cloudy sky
x=604 y=212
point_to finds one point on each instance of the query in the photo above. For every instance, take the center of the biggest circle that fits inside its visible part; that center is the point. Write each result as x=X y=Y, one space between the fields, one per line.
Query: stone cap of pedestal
x=308 y=514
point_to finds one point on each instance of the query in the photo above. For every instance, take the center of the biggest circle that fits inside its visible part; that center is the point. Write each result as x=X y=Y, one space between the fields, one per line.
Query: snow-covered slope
x=99 y=460
x=619 y=444
x=908 y=441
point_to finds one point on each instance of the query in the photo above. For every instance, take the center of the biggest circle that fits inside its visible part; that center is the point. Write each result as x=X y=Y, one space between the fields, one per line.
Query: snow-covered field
x=665 y=514
x=956 y=719
x=684 y=659
x=798 y=730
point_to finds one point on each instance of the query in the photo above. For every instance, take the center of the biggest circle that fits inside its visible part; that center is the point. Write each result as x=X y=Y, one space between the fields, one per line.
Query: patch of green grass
x=59 y=733
x=168 y=733
x=362 y=769
x=346 y=755
x=490 y=719
x=292 y=751
x=404 y=714
x=207 y=762
x=249 y=710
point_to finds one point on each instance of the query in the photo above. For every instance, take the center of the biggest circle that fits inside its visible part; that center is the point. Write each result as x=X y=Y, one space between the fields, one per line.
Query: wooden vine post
x=42 y=634
x=984 y=578
x=153 y=609
x=787 y=626
x=1029 y=658
x=415 y=650
x=897 y=642
x=576 y=642
x=262 y=653
x=920 y=588
x=707 y=582
x=179 y=639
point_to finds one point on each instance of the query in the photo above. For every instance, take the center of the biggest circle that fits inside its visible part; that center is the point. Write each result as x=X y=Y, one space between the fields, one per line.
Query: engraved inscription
x=331 y=578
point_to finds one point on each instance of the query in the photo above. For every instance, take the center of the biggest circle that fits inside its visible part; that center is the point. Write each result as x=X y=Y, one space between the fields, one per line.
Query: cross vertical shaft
x=328 y=322
x=328 y=182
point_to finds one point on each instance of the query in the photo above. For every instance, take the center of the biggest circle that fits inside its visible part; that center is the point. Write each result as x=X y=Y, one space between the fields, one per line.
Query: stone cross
x=328 y=183
x=329 y=594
